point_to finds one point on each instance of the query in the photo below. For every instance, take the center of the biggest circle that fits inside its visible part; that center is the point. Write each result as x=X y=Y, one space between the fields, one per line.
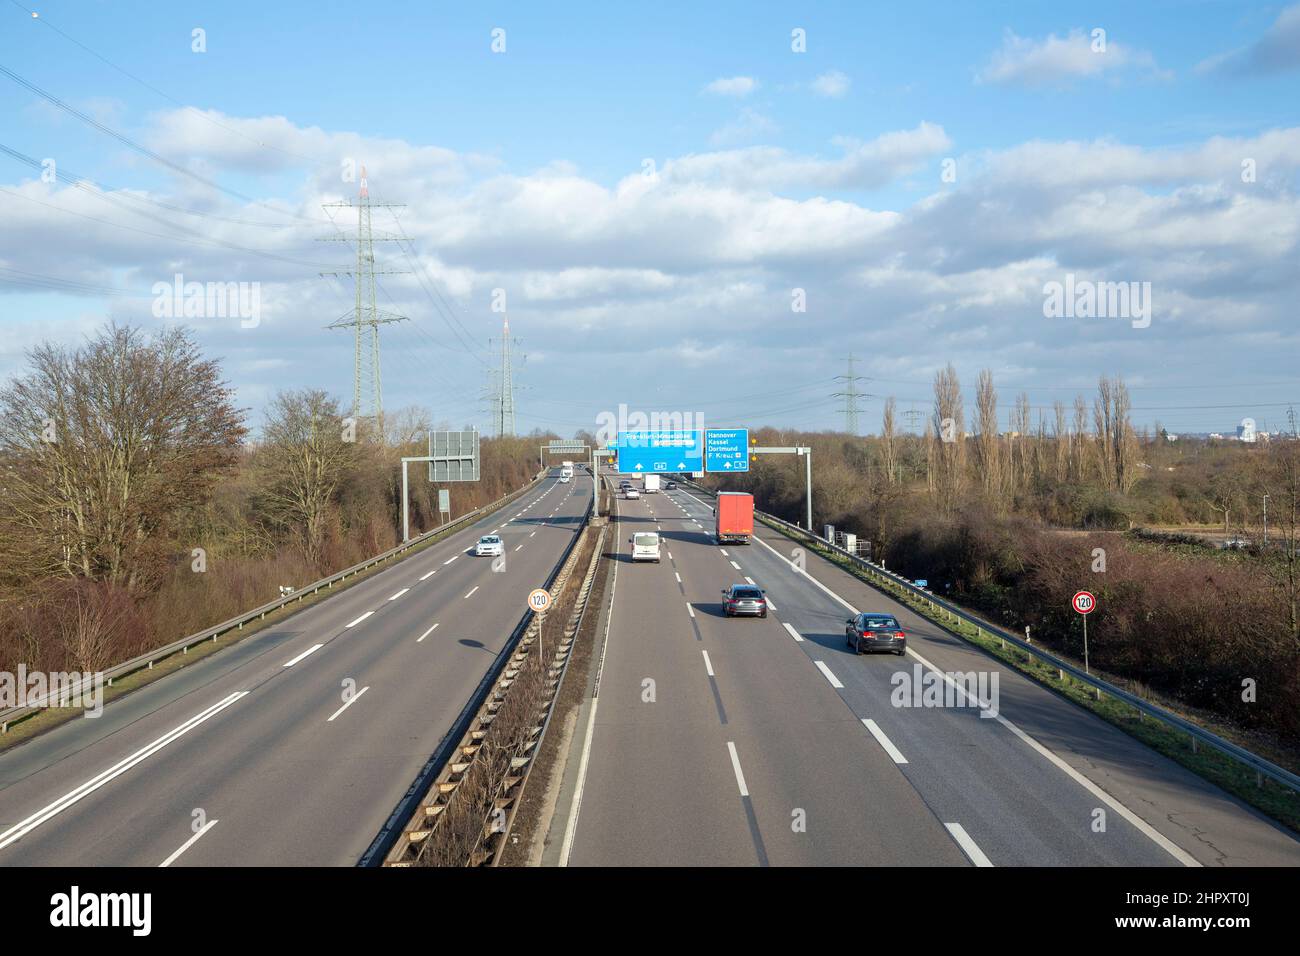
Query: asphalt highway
x=293 y=746
x=769 y=741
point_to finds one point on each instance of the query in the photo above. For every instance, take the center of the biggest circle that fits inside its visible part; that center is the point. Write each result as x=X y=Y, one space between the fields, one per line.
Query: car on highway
x=489 y=544
x=630 y=493
x=624 y=485
x=564 y=479
x=645 y=546
x=670 y=486
x=744 y=599
x=875 y=632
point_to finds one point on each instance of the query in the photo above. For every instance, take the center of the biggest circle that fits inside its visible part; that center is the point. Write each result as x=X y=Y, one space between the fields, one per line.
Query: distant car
x=564 y=479
x=490 y=544
x=1236 y=544
x=670 y=486
x=631 y=493
x=745 y=599
x=875 y=632
x=624 y=485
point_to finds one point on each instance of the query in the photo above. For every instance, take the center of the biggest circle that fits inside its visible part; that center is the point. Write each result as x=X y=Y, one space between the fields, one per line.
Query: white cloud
x=833 y=84
x=1277 y=51
x=862 y=165
x=1054 y=60
x=732 y=86
x=749 y=125
x=650 y=272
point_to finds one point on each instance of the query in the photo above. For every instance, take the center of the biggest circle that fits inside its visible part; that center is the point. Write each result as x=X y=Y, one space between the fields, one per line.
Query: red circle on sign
x=1084 y=602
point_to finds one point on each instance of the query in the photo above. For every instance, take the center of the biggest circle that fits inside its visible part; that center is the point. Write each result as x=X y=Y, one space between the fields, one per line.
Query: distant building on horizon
x=1246 y=431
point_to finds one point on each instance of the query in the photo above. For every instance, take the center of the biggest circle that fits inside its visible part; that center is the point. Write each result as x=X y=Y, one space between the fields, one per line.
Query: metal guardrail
x=1254 y=761
x=149 y=658
x=391 y=844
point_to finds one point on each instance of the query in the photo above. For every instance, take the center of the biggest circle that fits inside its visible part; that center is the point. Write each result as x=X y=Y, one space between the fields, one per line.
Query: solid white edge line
x=967 y=845
x=23 y=827
x=399 y=594
x=311 y=650
x=1150 y=832
x=351 y=700
x=427 y=633
x=895 y=754
x=793 y=633
x=187 y=844
x=1154 y=835
x=360 y=619
x=835 y=681
x=735 y=765
x=708 y=664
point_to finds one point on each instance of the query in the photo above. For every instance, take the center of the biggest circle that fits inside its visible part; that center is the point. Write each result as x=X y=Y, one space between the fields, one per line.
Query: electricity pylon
x=850 y=396
x=365 y=318
x=501 y=391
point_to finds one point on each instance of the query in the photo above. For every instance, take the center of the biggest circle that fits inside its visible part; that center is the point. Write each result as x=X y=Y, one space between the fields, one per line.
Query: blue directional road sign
x=726 y=449
x=656 y=451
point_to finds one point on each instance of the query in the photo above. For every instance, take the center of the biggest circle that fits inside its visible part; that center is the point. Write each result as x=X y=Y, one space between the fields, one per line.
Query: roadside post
x=1085 y=603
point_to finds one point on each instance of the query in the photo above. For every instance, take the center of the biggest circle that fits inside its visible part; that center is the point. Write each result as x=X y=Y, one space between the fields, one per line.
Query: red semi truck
x=734 y=517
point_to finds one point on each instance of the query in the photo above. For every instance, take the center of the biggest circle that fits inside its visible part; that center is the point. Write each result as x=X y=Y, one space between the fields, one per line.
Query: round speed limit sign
x=539 y=599
x=1084 y=602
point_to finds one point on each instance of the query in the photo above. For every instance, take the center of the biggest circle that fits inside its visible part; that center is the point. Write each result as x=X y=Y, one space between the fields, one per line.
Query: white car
x=489 y=544
x=645 y=546
x=631 y=493
x=564 y=479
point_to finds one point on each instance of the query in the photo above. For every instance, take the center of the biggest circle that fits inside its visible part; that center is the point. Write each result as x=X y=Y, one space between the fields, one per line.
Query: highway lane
x=1033 y=785
x=290 y=770
x=714 y=745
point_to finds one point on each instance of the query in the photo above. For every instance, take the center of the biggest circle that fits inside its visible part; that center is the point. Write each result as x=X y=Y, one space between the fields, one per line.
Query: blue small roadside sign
x=726 y=449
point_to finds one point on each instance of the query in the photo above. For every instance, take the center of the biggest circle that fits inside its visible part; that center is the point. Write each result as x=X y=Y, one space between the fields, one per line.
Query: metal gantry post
x=406 y=505
x=808 y=484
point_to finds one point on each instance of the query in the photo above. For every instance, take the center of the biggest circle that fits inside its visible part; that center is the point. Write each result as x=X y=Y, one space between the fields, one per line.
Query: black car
x=744 y=599
x=875 y=632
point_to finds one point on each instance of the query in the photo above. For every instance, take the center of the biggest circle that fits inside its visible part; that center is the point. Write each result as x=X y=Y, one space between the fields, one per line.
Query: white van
x=645 y=546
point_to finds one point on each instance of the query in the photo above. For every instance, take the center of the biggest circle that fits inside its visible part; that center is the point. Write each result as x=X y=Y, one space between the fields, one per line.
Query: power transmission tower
x=1290 y=417
x=365 y=318
x=850 y=396
x=913 y=417
x=501 y=391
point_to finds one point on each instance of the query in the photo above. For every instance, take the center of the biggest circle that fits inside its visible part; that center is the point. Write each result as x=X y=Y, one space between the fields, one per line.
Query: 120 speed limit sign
x=539 y=599
x=1084 y=602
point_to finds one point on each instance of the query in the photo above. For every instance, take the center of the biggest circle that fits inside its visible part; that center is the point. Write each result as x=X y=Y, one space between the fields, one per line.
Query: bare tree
x=1061 y=435
x=889 y=442
x=107 y=449
x=950 y=438
x=305 y=455
x=988 y=461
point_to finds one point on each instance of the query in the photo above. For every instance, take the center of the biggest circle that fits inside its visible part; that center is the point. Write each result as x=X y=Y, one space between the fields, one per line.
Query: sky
x=694 y=209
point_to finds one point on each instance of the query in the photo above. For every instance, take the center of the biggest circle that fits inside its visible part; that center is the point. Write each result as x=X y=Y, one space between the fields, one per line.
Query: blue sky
x=774 y=170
